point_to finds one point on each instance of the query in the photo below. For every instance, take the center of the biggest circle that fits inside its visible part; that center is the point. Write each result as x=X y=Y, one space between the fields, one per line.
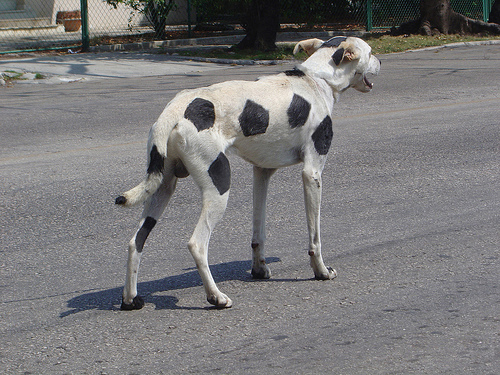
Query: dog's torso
x=268 y=122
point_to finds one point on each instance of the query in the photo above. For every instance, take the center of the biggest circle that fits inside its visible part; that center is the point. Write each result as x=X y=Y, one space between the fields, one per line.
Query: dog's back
x=266 y=121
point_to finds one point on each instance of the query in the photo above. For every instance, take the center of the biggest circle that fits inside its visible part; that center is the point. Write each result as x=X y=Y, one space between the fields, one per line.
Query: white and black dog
x=274 y=122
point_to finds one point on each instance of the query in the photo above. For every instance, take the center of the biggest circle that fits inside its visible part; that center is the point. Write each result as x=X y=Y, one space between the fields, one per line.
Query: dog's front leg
x=261 y=177
x=312 y=193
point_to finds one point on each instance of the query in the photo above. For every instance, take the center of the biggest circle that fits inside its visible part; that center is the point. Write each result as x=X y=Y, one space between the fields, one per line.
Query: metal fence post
x=84 y=9
x=486 y=10
x=189 y=18
x=369 y=19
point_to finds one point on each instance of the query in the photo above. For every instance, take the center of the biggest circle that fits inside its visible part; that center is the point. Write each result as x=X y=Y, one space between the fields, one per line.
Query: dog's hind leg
x=311 y=177
x=152 y=211
x=213 y=179
x=261 y=176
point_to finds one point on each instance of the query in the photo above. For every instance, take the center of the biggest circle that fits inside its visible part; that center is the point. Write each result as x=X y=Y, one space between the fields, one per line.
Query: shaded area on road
x=104 y=299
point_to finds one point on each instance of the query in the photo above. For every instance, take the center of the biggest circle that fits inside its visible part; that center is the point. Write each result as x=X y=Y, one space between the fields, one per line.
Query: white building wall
x=103 y=16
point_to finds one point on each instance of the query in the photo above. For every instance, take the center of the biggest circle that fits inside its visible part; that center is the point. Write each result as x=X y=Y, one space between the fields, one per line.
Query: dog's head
x=342 y=62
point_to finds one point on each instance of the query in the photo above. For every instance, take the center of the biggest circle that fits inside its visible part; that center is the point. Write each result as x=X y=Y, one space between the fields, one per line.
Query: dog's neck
x=322 y=68
x=321 y=86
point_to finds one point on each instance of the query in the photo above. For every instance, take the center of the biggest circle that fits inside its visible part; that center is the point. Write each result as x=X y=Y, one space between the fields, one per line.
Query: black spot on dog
x=334 y=42
x=137 y=304
x=156 y=161
x=220 y=173
x=180 y=170
x=254 y=119
x=143 y=233
x=201 y=113
x=295 y=73
x=298 y=111
x=338 y=56
x=120 y=200
x=322 y=136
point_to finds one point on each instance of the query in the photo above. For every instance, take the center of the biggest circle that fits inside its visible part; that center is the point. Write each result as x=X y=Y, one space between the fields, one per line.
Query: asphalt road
x=410 y=220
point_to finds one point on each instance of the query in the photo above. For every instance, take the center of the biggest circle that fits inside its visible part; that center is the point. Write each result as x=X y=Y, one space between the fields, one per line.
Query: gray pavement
x=60 y=68
x=103 y=65
x=410 y=220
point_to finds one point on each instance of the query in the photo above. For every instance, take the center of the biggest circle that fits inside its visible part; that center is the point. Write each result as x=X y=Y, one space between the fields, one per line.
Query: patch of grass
x=391 y=44
x=12 y=75
x=380 y=44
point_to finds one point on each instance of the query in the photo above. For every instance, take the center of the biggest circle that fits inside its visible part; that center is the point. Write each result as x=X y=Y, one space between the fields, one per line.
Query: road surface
x=410 y=220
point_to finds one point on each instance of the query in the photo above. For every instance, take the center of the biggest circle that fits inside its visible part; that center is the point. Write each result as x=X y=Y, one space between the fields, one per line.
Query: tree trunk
x=495 y=12
x=261 y=25
x=437 y=17
x=435 y=14
x=157 y=12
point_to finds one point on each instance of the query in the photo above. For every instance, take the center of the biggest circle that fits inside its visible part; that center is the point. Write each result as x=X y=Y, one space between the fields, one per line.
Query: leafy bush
x=156 y=11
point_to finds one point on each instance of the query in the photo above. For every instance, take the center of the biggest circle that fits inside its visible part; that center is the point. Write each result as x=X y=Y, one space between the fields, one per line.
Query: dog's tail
x=157 y=149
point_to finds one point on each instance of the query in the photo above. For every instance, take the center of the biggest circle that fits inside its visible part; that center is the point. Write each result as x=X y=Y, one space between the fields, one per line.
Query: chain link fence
x=388 y=13
x=51 y=24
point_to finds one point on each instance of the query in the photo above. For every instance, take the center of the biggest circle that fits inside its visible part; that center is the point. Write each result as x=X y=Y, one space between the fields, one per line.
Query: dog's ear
x=345 y=52
x=308 y=45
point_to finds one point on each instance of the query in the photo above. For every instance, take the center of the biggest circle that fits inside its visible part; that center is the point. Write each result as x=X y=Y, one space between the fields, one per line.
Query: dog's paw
x=221 y=301
x=121 y=200
x=329 y=274
x=261 y=273
x=137 y=304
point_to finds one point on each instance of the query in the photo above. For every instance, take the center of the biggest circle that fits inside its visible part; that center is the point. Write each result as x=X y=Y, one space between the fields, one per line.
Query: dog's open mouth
x=367 y=83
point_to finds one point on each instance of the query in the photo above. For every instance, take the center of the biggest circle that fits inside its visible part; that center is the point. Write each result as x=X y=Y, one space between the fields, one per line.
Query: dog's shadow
x=110 y=299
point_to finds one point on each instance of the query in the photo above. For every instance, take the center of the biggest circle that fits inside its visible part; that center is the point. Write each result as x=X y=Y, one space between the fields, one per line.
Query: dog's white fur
x=178 y=146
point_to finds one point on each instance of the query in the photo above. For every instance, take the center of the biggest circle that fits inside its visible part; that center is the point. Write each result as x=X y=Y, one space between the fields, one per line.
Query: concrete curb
x=230 y=61
x=173 y=47
x=164 y=44
x=456 y=45
x=217 y=41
